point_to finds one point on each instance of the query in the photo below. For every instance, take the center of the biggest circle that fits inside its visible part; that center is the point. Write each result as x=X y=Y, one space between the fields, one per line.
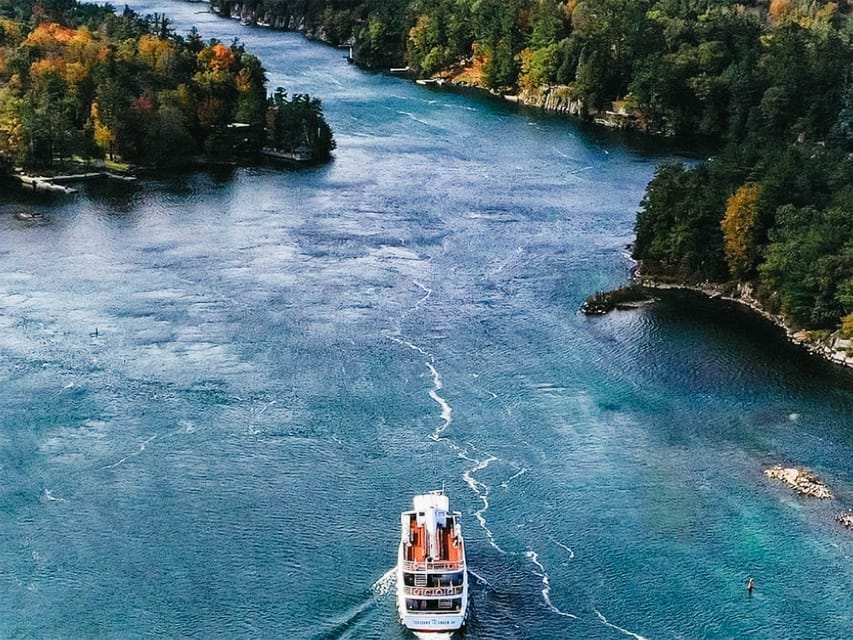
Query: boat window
x=448 y=605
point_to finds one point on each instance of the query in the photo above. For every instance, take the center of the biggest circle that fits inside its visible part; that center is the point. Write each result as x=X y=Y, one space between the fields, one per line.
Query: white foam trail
x=613 y=626
x=562 y=546
x=427 y=293
x=413 y=117
x=499 y=399
x=446 y=409
x=546 y=586
x=482 y=491
x=48 y=495
x=386 y=583
x=520 y=472
x=408 y=344
x=134 y=454
x=480 y=578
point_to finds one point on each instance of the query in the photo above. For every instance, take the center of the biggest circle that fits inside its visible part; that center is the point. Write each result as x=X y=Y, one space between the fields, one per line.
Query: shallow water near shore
x=221 y=389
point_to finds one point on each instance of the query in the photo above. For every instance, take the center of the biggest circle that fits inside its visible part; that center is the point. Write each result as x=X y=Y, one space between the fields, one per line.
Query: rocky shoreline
x=557 y=99
x=831 y=347
x=632 y=296
x=828 y=346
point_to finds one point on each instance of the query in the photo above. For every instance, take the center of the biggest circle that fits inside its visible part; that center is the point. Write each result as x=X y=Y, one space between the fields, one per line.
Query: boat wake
x=385 y=584
x=361 y=620
x=141 y=449
x=446 y=410
x=613 y=626
x=546 y=585
x=479 y=461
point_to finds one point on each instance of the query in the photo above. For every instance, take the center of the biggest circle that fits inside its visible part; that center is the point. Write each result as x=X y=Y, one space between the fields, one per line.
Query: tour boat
x=432 y=583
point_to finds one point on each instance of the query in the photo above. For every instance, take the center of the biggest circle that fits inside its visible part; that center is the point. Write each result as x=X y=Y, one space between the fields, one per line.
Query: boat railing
x=433 y=591
x=433 y=566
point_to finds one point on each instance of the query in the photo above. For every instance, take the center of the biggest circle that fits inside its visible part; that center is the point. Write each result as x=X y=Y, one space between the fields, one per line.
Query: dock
x=56 y=184
x=41 y=184
x=300 y=155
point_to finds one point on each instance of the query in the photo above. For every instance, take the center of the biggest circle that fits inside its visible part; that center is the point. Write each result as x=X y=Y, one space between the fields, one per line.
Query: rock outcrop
x=803 y=482
x=630 y=297
x=832 y=346
x=555 y=98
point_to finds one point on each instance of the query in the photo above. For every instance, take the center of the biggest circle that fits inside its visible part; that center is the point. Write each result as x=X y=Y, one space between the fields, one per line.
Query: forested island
x=82 y=82
x=769 y=219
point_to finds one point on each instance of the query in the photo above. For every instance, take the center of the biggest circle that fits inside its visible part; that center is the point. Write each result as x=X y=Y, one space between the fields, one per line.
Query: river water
x=221 y=388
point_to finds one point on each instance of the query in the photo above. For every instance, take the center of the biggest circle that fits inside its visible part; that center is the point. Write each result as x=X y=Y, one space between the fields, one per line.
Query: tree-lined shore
x=82 y=81
x=770 y=215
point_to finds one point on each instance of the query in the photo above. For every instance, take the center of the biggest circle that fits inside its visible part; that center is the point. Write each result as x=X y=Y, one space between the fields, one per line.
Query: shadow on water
x=740 y=324
x=690 y=149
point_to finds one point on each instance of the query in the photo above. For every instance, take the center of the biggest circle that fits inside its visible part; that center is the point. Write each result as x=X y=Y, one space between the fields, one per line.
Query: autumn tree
x=740 y=230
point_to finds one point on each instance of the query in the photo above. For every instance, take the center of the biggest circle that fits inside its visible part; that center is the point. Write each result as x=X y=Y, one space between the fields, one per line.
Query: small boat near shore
x=432 y=580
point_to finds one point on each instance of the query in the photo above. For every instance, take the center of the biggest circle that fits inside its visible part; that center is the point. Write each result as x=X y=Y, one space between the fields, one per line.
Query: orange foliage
x=778 y=8
x=49 y=35
x=144 y=103
x=216 y=58
x=60 y=45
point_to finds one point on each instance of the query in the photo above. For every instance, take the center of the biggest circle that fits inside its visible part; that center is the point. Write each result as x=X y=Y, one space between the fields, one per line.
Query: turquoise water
x=221 y=388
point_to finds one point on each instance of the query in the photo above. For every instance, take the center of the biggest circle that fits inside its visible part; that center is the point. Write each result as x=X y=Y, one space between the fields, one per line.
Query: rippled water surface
x=221 y=388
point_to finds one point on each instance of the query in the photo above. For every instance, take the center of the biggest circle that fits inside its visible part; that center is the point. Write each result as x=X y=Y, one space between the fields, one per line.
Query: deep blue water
x=220 y=390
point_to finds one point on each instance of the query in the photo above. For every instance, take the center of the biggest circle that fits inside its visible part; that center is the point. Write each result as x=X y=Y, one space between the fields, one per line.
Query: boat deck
x=449 y=549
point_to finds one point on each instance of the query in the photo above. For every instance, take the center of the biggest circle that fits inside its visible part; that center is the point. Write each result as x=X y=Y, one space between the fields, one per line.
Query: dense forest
x=770 y=79
x=772 y=213
x=79 y=80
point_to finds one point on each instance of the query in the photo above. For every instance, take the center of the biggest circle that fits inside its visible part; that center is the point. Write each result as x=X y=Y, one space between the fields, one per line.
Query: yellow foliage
x=11 y=30
x=525 y=82
x=75 y=73
x=47 y=65
x=157 y=53
x=11 y=127
x=740 y=225
x=104 y=137
x=847 y=326
x=244 y=80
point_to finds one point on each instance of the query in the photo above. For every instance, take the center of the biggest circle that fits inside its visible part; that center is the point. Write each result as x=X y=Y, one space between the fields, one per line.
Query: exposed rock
x=803 y=482
x=555 y=98
x=830 y=346
x=845 y=518
x=630 y=297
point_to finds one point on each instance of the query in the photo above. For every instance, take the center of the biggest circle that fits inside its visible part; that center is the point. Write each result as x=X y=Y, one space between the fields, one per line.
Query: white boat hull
x=432 y=580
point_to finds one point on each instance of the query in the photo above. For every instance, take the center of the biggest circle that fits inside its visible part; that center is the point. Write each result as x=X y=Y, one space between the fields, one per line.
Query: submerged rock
x=803 y=482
